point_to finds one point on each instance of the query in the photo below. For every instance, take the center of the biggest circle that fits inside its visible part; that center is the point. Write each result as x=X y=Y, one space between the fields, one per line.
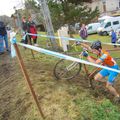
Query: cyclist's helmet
x=96 y=45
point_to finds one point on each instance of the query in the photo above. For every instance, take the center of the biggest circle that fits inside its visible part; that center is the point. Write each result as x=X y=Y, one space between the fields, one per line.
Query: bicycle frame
x=91 y=74
x=68 y=70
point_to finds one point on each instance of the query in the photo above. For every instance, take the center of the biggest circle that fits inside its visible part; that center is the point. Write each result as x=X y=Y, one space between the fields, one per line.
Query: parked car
x=92 y=28
x=108 y=24
x=77 y=26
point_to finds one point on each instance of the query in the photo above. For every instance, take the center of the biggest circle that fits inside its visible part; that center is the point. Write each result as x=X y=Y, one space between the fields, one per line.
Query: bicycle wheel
x=67 y=70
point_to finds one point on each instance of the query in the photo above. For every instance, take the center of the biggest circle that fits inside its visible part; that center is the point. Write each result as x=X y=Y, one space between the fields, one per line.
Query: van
x=103 y=18
x=108 y=25
x=92 y=28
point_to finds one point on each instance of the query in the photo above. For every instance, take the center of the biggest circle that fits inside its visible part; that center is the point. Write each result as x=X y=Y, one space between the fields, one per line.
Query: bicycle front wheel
x=67 y=70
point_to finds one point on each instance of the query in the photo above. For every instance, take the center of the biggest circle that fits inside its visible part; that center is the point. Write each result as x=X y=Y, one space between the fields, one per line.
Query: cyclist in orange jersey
x=107 y=60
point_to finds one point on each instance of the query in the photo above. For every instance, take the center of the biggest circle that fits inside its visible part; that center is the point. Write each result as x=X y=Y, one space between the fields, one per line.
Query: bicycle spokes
x=66 y=69
x=71 y=66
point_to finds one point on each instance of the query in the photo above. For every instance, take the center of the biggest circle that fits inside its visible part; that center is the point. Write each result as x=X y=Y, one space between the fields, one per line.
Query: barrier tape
x=72 y=39
x=59 y=55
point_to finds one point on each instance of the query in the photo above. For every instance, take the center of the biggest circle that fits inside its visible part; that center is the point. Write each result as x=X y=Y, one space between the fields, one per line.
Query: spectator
x=4 y=34
x=6 y=40
x=1 y=44
x=24 y=24
x=33 y=30
x=113 y=38
x=83 y=32
x=25 y=30
x=3 y=37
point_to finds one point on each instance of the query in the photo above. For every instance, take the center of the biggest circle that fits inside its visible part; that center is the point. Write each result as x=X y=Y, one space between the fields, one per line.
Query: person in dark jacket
x=3 y=37
x=25 y=28
x=6 y=41
x=1 y=45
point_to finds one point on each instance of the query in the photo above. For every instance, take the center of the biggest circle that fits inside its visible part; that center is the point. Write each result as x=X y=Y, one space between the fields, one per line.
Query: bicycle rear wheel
x=67 y=70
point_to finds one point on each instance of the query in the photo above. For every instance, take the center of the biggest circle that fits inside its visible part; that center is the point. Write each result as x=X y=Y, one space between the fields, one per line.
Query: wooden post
x=27 y=79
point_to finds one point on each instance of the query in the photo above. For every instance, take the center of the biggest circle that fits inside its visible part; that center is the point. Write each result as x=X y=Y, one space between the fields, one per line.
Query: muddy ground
x=55 y=97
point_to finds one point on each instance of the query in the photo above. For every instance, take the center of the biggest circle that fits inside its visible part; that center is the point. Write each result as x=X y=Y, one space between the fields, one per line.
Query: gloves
x=85 y=53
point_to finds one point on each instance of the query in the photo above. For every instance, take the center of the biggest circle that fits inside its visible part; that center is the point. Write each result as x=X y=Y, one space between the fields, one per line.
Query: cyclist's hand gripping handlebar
x=85 y=53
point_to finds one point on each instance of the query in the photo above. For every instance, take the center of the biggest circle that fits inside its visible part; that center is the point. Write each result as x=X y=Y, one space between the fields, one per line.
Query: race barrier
x=72 y=39
x=62 y=56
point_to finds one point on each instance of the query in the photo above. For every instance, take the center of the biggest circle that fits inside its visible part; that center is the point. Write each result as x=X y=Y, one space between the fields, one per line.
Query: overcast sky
x=6 y=6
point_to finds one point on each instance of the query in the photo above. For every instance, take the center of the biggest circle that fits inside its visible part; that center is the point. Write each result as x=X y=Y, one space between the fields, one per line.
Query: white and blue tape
x=72 y=39
x=59 y=55
x=13 y=41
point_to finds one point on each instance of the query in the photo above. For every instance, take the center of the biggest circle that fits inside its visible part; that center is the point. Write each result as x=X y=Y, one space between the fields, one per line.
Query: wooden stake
x=27 y=79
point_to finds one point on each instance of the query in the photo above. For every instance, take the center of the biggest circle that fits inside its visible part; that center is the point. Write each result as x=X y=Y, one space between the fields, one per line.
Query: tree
x=71 y=11
x=31 y=7
x=7 y=20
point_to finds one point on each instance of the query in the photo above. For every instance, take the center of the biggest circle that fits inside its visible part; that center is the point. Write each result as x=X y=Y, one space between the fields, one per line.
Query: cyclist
x=107 y=60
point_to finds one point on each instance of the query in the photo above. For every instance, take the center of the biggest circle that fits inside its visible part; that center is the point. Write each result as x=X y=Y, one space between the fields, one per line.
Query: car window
x=108 y=24
x=90 y=28
x=115 y=22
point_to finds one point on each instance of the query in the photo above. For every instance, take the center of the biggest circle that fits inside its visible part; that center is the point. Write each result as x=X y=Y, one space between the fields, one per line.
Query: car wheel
x=105 y=33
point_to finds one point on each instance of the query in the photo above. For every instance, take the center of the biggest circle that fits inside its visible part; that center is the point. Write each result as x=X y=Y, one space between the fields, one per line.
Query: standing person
x=113 y=38
x=106 y=59
x=25 y=29
x=6 y=40
x=33 y=30
x=4 y=34
x=1 y=44
x=3 y=37
x=83 y=32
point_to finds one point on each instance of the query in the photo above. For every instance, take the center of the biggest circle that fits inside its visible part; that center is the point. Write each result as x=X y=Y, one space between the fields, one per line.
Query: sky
x=6 y=6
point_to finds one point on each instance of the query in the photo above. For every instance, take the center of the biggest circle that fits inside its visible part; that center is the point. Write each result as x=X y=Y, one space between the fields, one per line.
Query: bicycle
x=67 y=70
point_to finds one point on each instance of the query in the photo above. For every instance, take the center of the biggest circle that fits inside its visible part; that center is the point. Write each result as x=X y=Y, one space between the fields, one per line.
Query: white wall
x=98 y=4
x=111 y=5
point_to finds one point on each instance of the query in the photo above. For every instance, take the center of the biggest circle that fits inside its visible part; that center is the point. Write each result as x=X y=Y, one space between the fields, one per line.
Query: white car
x=92 y=28
x=108 y=24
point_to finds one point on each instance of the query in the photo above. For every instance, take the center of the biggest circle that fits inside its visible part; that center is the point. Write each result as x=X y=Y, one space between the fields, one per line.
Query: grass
x=94 y=37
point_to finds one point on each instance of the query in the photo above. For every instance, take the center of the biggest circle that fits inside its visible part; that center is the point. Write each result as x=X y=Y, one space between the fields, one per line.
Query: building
x=106 y=7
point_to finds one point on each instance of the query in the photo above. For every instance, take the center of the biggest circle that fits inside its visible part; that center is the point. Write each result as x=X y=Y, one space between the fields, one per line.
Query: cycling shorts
x=111 y=74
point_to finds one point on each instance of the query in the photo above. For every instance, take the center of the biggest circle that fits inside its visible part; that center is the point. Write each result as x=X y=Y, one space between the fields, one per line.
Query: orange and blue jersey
x=107 y=59
x=109 y=62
